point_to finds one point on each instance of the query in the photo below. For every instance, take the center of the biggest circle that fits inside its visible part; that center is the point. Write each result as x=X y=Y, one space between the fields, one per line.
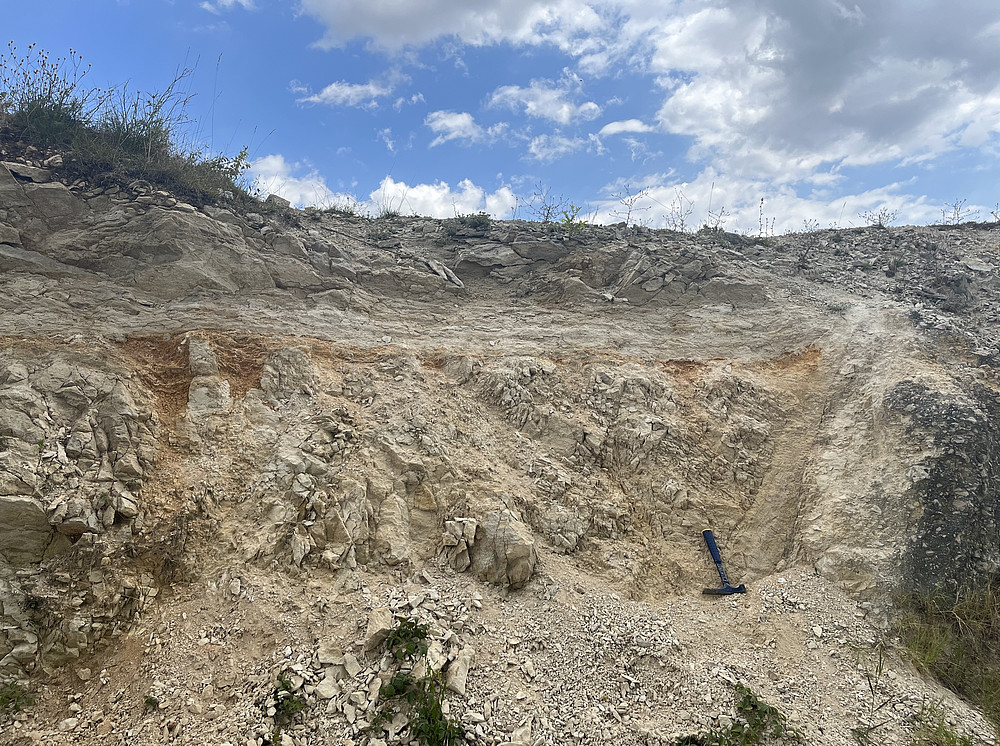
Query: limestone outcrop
x=310 y=425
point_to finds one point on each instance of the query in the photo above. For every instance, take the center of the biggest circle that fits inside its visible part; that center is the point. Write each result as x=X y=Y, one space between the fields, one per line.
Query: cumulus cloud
x=734 y=204
x=545 y=100
x=776 y=97
x=795 y=90
x=453 y=125
x=439 y=200
x=626 y=125
x=272 y=174
x=342 y=93
x=392 y=25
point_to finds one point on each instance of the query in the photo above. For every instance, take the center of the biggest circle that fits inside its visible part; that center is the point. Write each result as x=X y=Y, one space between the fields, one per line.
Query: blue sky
x=825 y=109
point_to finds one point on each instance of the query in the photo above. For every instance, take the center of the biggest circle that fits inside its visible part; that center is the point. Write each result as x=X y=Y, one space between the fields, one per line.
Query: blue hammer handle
x=714 y=551
x=727 y=587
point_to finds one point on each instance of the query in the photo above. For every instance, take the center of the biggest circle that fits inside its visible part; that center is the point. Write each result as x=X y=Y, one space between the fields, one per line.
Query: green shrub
x=420 y=699
x=956 y=639
x=14 y=697
x=571 y=222
x=287 y=704
x=757 y=723
x=407 y=640
x=479 y=221
x=112 y=135
x=379 y=229
x=42 y=99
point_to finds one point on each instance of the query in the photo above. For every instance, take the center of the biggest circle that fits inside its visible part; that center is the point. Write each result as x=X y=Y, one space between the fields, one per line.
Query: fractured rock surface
x=236 y=449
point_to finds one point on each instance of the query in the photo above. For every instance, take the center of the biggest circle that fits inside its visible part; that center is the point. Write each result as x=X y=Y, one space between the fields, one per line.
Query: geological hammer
x=727 y=587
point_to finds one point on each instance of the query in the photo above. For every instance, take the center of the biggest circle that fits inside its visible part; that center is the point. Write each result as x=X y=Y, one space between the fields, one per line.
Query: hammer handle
x=714 y=551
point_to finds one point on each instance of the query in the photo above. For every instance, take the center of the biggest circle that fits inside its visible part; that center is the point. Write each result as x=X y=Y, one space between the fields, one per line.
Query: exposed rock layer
x=315 y=397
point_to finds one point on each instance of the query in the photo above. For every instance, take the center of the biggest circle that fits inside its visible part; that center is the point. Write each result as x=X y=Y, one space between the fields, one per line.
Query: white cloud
x=774 y=96
x=439 y=200
x=544 y=100
x=547 y=148
x=737 y=203
x=797 y=89
x=792 y=87
x=392 y=25
x=800 y=91
x=626 y=125
x=416 y=98
x=272 y=174
x=342 y=93
x=453 y=125
x=303 y=186
x=385 y=135
x=222 y=5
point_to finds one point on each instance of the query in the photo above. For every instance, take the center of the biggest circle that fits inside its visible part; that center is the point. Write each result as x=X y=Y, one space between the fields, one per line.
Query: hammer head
x=726 y=590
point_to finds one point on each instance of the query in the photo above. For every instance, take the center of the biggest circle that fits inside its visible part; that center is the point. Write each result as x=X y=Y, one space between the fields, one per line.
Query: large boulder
x=504 y=550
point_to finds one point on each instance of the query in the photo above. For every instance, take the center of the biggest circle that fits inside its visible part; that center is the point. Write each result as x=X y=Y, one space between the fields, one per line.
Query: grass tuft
x=933 y=730
x=956 y=639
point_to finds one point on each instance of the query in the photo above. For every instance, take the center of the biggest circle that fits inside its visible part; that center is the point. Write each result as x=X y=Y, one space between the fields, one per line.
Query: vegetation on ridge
x=113 y=135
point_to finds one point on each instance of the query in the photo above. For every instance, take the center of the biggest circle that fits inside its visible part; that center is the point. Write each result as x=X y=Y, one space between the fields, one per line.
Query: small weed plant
x=879 y=698
x=150 y=703
x=716 y=221
x=347 y=206
x=14 y=698
x=287 y=707
x=956 y=639
x=678 y=212
x=479 y=222
x=933 y=730
x=956 y=213
x=571 y=221
x=407 y=641
x=765 y=224
x=379 y=229
x=881 y=218
x=419 y=699
x=757 y=723
x=631 y=206
x=287 y=704
x=544 y=206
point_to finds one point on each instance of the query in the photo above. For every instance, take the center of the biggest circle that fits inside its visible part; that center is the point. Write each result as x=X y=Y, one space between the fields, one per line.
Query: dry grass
x=956 y=639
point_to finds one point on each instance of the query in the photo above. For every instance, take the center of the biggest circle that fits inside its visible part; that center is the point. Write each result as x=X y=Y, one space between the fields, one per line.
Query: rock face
x=296 y=412
x=956 y=486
